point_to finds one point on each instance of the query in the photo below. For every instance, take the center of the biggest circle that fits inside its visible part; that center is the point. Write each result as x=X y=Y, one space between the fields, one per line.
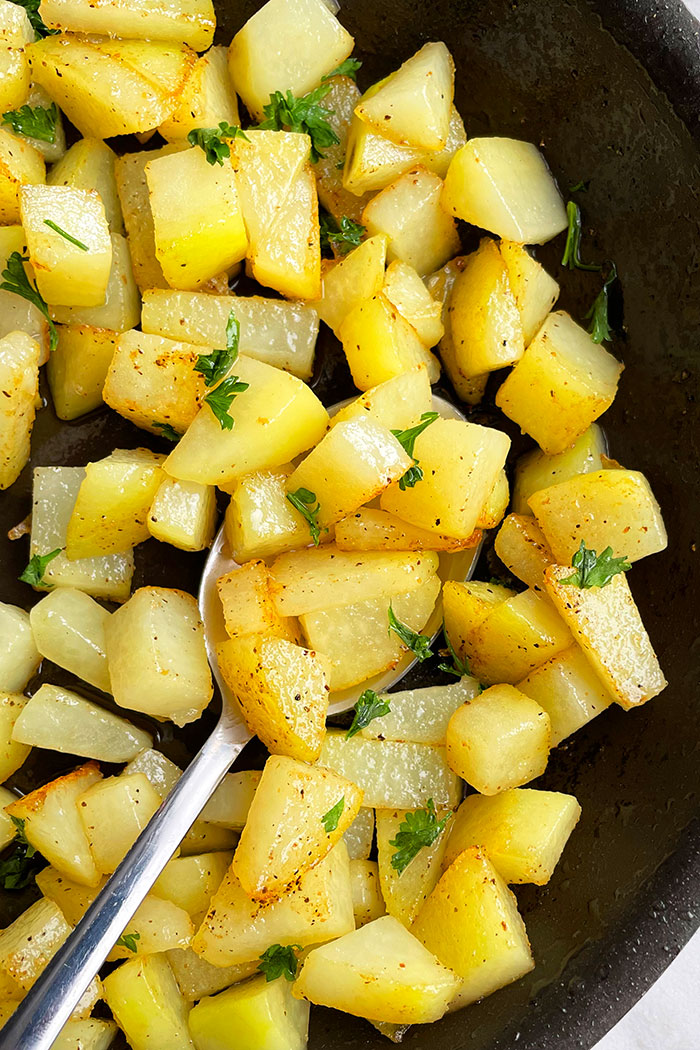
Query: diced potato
x=460 y=463
x=197 y=978
x=19 y=382
x=114 y=812
x=197 y=241
x=147 y=1004
x=255 y=1015
x=159 y=770
x=286 y=832
x=360 y=835
x=392 y=774
x=562 y=383
x=77 y=369
x=287 y=45
x=190 y=882
x=404 y=288
x=496 y=503
x=397 y=404
x=355 y=638
x=275 y=419
x=279 y=333
x=411 y=107
x=207 y=99
x=60 y=720
x=207 y=838
x=185 y=21
x=536 y=470
x=20 y=165
x=605 y=621
x=381 y=972
x=238 y=930
x=377 y=530
x=260 y=521
x=111 y=87
x=55 y=493
x=113 y=503
x=569 y=690
x=498 y=740
x=441 y=285
x=608 y=508
x=230 y=803
x=325 y=577
x=421 y=715
x=471 y=922
x=484 y=318
x=89 y=165
x=523 y=549
x=53 y=826
x=504 y=185
x=466 y=605
x=152 y=381
x=405 y=893
x=8 y=831
x=523 y=831
x=18 y=314
x=409 y=212
x=247 y=603
x=12 y=753
x=351 y=280
x=19 y=655
x=367 y=900
x=282 y=690
x=87 y=1034
x=534 y=290
x=288 y=256
x=339 y=103
x=27 y=945
x=380 y=344
x=267 y=165
x=121 y=309
x=15 y=33
x=183 y=513
x=156 y=655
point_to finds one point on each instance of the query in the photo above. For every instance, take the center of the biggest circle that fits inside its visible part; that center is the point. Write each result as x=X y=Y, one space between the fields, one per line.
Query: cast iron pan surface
x=607 y=101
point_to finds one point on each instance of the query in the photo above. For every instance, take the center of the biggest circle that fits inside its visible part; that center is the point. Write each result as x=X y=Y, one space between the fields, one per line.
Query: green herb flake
x=19 y=869
x=221 y=398
x=342 y=236
x=416 y=831
x=32 y=9
x=303 y=500
x=167 y=431
x=304 y=115
x=216 y=365
x=331 y=818
x=368 y=707
x=599 y=328
x=280 y=961
x=419 y=644
x=38 y=563
x=14 y=279
x=459 y=666
x=572 y=248
x=128 y=941
x=595 y=570
x=407 y=439
x=215 y=141
x=34 y=122
x=67 y=236
x=580 y=187
x=348 y=68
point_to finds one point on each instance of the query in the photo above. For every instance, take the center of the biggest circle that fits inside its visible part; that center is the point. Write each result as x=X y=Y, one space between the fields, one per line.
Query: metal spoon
x=40 y=1017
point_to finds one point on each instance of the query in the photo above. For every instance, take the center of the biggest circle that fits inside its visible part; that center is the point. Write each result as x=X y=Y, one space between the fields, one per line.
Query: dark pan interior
x=624 y=898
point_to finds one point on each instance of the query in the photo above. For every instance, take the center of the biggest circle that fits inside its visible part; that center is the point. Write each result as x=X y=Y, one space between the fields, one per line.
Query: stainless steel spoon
x=40 y=1017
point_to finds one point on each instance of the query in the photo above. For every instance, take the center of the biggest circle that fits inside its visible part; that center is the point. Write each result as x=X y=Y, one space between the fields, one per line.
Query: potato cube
x=287 y=45
x=113 y=503
x=12 y=753
x=121 y=309
x=357 y=276
x=191 y=882
x=187 y=21
x=608 y=508
x=53 y=826
x=381 y=972
x=229 y=805
x=380 y=344
x=534 y=290
x=147 y=1004
x=77 y=369
x=208 y=98
x=496 y=503
x=359 y=836
x=505 y=186
x=569 y=690
x=460 y=463
x=254 y=1015
x=197 y=978
x=409 y=212
x=421 y=715
x=405 y=892
x=397 y=404
x=55 y=493
x=536 y=470
x=283 y=692
x=377 y=530
x=523 y=549
x=14 y=78
x=288 y=256
x=498 y=740
x=183 y=513
x=340 y=104
x=89 y=165
x=8 y=831
x=157 y=658
x=404 y=288
x=367 y=900
x=20 y=165
x=88 y=1034
x=238 y=930
x=28 y=944
x=562 y=383
x=130 y=174
x=267 y=165
x=471 y=922
x=19 y=382
x=441 y=285
x=275 y=419
x=605 y=621
x=19 y=655
x=260 y=521
x=466 y=605
x=114 y=812
x=246 y=598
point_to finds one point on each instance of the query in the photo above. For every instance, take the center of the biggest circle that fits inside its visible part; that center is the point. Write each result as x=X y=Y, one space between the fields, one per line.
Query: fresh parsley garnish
x=32 y=9
x=128 y=941
x=459 y=666
x=68 y=236
x=34 y=572
x=279 y=961
x=580 y=187
x=305 y=115
x=419 y=644
x=21 y=837
x=599 y=328
x=368 y=707
x=303 y=500
x=407 y=438
x=19 y=869
x=14 y=279
x=348 y=68
x=595 y=570
x=216 y=365
x=343 y=236
x=572 y=248
x=35 y=122
x=214 y=140
x=331 y=818
x=416 y=831
x=221 y=398
x=167 y=431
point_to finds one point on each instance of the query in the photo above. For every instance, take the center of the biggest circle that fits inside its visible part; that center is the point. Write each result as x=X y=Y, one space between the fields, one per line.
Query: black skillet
x=611 y=90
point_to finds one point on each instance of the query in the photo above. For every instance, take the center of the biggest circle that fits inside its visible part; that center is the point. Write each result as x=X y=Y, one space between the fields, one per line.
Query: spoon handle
x=40 y=1017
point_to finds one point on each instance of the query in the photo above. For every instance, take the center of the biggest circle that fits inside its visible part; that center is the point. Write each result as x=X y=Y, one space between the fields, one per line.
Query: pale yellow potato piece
x=440 y=285
x=381 y=972
x=12 y=753
x=504 y=185
x=398 y=403
x=69 y=629
x=148 y=1005
x=466 y=605
x=562 y=383
x=608 y=508
x=16 y=313
x=340 y=103
x=121 y=309
x=267 y=165
x=113 y=502
x=288 y=257
x=260 y=521
x=175 y=21
x=605 y=621
x=14 y=77
x=404 y=288
x=275 y=419
x=523 y=549
x=246 y=600
x=367 y=900
x=380 y=344
x=191 y=882
x=472 y=924
x=19 y=654
x=53 y=826
x=357 y=276
x=197 y=978
x=377 y=530
x=183 y=513
x=360 y=835
x=111 y=87
x=536 y=470
x=228 y=807
x=28 y=944
x=287 y=45
x=207 y=99
x=460 y=463
x=156 y=655
x=409 y=212
x=404 y=894
x=391 y=773
x=89 y=165
x=77 y=369
x=282 y=689
x=421 y=715
x=50 y=151
x=19 y=381
x=114 y=812
x=569 y=690
x=496 y=503
x=411 y=107
x=238 y=930
x=534 y=290
x=20 y=165
x=8 y=831
x=254 y=1015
